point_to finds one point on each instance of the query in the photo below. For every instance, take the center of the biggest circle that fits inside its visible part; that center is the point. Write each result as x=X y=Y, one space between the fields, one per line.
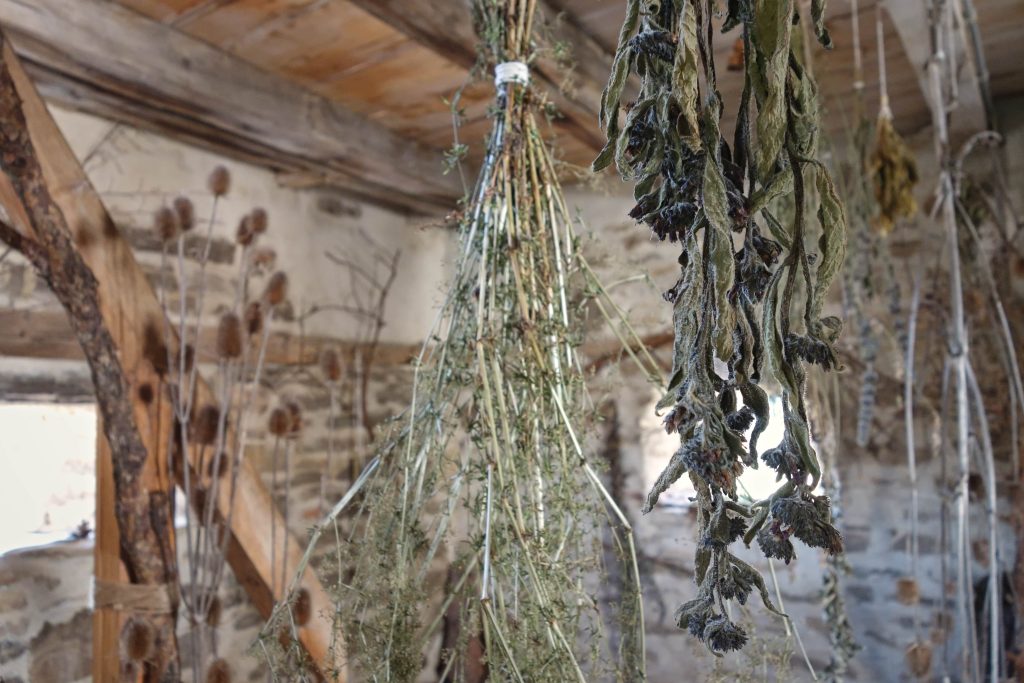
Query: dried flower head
x=263 y=258
x=186 y=212
x=165 y=223
x=219 y=672
x=279 y=422
x=721 y=635
x=919 y=659
x=258 y=220
x=254 y=318
x=894 y=173
x=907 y=591
x=245 y=235
x=277 y=289
x=207 y=424
x=330 y=364
x=137 y=639
x=302 y=608
x=229 y=337
x=219 y=181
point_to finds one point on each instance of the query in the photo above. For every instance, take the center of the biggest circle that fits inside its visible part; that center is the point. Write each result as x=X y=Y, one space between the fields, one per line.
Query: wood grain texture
x=128 y=304
x=109 y=60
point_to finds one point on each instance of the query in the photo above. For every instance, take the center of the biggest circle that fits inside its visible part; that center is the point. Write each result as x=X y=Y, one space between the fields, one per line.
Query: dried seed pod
x=165 y=223
x=919 y=659
x=302 y=608
x=277 y=289
x=294 y=419
x=219 y=181
x=137 y=639
x=245 y=235
x=229 y=337
x=219 y=672
x=186 y=212
x=213 y=614
x=907 y=591
x=279 y=422
x=258 y=220
x=330 y=364
x=254 y=318
x=263 y=258
x=206 y=425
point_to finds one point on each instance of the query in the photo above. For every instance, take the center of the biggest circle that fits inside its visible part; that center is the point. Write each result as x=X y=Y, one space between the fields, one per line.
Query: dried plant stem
x=908 y=419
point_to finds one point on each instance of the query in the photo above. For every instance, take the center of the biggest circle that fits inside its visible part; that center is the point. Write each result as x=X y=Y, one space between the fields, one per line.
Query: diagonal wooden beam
x=446 y=27
x=103 y=58
x=128 y=307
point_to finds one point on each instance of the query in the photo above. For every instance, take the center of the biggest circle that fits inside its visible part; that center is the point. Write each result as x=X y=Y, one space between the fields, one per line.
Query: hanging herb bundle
x=485 y=476
x=739 y=306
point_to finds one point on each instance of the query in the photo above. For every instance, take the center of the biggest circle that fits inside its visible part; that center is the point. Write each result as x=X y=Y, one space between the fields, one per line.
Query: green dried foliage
x=894 y=174
x=751 y=293
x=486 y=475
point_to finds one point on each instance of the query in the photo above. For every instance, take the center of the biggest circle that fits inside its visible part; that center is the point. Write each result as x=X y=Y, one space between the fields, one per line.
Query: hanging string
x=883 y=82
x=858 y=57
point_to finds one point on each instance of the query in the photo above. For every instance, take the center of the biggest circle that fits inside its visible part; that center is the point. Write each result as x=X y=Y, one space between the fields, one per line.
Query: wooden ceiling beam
x=105 y=59
x=446 y=27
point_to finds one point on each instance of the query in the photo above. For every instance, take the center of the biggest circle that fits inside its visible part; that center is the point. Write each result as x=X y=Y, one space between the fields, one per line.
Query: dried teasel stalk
x=741 y=308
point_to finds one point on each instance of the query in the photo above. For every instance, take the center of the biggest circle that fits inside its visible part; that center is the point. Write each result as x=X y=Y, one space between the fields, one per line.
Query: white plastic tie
x=511 y=72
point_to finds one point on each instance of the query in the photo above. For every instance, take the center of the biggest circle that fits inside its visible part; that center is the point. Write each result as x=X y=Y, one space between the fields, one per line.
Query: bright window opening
x=48 y=487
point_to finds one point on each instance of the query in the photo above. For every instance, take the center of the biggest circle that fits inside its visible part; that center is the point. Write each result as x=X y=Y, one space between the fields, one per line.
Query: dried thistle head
x=186 y=213
x=137 y=639
x=894 y=173
x=302 y=608
x=219 y=181
x=258 y=220
x=919 y=659
x=219 y=672
x=279 y=422
x=263 y=258
x=207 y=423
x=165 y=224
x=254 y=318
x=245 y=235
x=277 y=289
x=330 y=364
x=229 y=337
x=907 y=591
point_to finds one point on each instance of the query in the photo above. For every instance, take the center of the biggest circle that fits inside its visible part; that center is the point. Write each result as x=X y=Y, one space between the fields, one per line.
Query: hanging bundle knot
x=137 y=598
x=511 y=72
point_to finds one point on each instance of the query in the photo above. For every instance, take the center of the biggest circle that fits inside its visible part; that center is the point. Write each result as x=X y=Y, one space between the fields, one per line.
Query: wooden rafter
x=106 y=59
x=128 y=305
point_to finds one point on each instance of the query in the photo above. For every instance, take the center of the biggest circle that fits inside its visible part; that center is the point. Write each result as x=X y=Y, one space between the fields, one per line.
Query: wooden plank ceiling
x=395 y=63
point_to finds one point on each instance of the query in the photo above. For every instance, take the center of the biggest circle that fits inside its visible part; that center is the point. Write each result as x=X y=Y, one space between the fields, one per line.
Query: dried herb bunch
x=486 y=477
x=741 y=305
x=894 y=175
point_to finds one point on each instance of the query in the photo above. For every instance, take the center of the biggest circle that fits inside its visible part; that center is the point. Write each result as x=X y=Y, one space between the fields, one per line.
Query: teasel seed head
x=302 y=609
x=919 y=659
x=213 y=615
x=263 y=258
x=137 y=638
x=254 y=318
x=219 y=672
x=186 y=212
x=229 y=337
x=907 y=591
x=245 y=235
x=294 y=419
x=277 y=289
x=330 y=364
x=279 y=422
x=219 y=181
x=258 y=220
x=165 y=222
x=206 y=425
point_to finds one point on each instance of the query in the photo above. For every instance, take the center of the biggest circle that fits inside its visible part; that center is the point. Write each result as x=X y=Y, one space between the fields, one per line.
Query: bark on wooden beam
x=44 y=238
x=106 y=59
x=128 y=305
x=446 y=27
